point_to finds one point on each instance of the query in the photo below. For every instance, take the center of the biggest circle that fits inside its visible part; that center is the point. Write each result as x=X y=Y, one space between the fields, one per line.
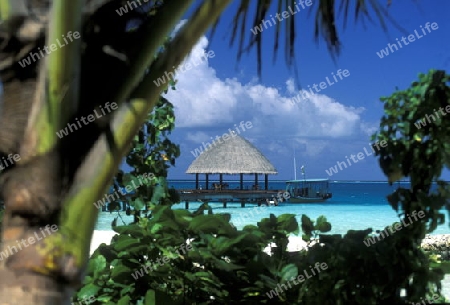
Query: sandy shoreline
x=100 y=237
x=295 y=242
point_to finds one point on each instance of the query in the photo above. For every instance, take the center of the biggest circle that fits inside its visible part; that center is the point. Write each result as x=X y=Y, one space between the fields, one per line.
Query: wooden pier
x=228 y=196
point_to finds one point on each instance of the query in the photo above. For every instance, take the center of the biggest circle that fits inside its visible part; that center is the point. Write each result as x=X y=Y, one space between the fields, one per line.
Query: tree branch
x=57 y=93
x=95 y=174
x=158 y=29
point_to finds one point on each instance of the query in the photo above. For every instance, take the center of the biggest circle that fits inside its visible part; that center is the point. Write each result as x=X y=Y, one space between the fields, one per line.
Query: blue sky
x=336 y=122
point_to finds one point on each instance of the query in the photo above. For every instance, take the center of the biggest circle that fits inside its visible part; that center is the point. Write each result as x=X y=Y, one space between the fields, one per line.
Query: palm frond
x=327 y=13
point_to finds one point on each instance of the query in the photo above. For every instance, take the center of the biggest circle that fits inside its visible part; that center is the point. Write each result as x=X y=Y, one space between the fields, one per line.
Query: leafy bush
x=152 y=154
x=225 y=265
x=229 y=266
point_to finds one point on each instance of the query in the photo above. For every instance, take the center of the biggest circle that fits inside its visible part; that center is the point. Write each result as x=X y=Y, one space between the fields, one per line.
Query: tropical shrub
x=228 y=266
x=152 y=154
x=224 y=265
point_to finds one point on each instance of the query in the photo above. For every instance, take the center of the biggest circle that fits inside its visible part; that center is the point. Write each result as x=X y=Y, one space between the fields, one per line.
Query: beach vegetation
x=119 y=59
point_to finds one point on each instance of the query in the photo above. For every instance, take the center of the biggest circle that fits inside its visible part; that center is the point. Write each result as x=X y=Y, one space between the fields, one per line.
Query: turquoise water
x=355 y=205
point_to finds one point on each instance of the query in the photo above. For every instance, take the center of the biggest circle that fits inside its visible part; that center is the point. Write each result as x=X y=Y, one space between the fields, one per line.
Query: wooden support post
x=186 y=205
x=196 y=181
x=266 y=181
x=224 y=204
x=256 y=181
x=242 y=204
x=242 y=181
x=207 y=182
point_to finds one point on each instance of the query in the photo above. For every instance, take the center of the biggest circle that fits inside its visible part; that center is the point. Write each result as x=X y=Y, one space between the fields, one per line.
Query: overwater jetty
x=233 y=155
x=258 y=197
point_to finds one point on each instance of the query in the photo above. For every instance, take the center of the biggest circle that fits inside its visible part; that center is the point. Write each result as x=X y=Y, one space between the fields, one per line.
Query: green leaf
x=132 y=230
x=288 y=223
x=127 y=178
x=288 y=272
x=155 y=228
x=88 y=291
x=159 y=192
x=183 y=217
x=150 y=297
x=170 y=224
x=307 y=225
x=104 y=299
x=222 y=243
x=210 y=224
x=138 y=204
x=126 y=300
x=125 y=242
x=205 y=276
x=121 y=273
x=97 y=264
x=270 y=282
x=229 y=267
x=322 y=224
x=161 y=212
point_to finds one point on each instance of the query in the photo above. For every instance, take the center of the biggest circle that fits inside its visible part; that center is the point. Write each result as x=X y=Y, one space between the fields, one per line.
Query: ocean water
x=354 y=205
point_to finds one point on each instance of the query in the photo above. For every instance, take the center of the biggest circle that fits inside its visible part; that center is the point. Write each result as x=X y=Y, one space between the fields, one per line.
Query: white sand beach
x=100 y=237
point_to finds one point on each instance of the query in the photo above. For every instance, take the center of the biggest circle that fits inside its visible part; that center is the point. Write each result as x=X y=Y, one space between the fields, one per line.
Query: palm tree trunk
x=18 y=283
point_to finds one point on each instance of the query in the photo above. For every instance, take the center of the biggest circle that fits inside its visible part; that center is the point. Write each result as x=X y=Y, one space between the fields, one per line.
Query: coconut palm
x=64 y=60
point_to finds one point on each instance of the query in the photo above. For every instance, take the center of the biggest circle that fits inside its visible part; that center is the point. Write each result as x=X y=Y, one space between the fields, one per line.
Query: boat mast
x=304 y=175
x=295 y=168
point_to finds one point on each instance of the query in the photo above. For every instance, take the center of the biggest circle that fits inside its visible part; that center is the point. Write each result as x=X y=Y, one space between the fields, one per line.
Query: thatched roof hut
x=231 y=156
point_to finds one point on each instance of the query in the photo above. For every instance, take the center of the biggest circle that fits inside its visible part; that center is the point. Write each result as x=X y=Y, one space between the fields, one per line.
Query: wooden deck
x=227 y=196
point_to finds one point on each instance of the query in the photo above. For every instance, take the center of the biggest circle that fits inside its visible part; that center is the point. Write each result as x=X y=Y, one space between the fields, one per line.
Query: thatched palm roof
x=234 y=155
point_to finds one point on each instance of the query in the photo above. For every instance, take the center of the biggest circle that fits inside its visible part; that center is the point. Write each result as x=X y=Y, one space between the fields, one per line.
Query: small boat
x=307 y=191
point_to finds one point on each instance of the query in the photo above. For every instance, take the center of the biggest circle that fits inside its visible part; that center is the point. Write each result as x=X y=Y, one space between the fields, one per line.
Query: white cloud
x=290 y=86
x=198 y=137
x=369 y=128
x=313 y=147
x=202 y=100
